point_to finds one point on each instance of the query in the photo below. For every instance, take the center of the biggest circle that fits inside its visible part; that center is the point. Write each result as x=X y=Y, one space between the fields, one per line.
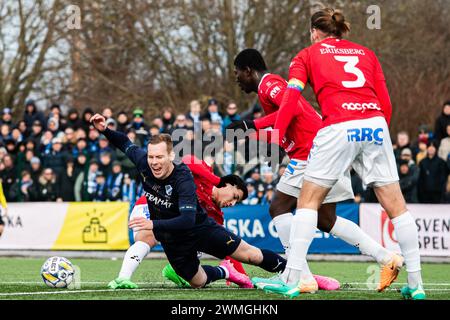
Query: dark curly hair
x=234 y=180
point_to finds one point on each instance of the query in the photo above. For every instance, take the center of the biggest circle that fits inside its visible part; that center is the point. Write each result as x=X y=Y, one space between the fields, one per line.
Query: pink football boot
x=235 y=276
x=327 y=283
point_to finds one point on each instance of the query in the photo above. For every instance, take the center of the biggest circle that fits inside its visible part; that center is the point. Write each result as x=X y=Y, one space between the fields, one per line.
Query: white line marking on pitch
x=165 y=289
x=102 y=290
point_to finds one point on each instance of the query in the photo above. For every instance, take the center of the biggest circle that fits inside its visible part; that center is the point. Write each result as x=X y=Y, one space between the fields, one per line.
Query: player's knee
x=196 y=284
x=147 y=237
x=278 y=208
x=198 y=281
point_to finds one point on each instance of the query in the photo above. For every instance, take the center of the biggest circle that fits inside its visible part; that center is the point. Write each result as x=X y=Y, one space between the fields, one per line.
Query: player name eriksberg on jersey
x=342 y=51
x=226 y=309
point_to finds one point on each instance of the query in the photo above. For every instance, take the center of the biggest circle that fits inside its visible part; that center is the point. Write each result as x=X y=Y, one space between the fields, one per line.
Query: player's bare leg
x=144 y=241
x=391 y=199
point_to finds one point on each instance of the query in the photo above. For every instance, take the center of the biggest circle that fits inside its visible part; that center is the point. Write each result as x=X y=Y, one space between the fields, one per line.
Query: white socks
x=407 y=236
x=351 y=233
x=283 y=224
x=133 y=257
x=303 y=228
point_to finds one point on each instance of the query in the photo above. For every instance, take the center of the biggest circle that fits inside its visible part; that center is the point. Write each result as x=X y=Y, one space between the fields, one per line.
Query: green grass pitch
x=20 y=279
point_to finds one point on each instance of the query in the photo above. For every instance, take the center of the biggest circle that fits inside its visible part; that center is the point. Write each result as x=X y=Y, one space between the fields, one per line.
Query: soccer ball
x=57 y=272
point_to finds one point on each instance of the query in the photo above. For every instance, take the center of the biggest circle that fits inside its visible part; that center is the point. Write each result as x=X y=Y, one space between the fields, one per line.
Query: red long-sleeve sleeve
x=290 y=103
x=382 y=91
x=200 y=168
x=266 y=121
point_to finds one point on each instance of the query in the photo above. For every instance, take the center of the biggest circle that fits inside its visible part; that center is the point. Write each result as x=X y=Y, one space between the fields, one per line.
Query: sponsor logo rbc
x=365 y=134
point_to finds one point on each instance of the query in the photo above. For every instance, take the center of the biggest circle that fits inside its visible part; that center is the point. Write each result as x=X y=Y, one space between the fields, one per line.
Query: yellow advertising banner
x=94 y=226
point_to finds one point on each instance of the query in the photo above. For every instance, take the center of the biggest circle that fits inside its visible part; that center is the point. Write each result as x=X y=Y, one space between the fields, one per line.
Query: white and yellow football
x=57 y=272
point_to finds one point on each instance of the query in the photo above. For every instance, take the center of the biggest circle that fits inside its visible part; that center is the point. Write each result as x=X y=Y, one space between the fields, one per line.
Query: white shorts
x=292 y=180
x=140 y=210
x=363 y=144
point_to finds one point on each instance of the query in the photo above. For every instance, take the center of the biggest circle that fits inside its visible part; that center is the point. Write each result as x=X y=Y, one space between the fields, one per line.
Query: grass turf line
x=20 y=279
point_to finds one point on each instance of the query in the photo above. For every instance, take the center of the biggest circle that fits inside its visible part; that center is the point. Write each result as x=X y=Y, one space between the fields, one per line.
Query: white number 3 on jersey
x=350 y=67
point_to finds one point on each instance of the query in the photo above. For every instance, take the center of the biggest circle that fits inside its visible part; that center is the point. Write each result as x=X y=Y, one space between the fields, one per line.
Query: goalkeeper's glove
x=242 y=124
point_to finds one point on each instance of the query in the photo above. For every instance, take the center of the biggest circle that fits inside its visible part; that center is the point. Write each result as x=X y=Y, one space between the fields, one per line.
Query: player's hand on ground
x=241 y=124
x=140 y=223
x=99 y=122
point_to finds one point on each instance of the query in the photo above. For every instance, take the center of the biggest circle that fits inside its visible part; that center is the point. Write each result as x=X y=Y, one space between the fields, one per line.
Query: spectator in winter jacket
x=122 y=122
x=129 y=189
x=69 y=140
x=232 y=115
x=440 y=127
x=45 y=146
x=103 y=145
x=401 y=143
x=47 y=187
x=408 y=182
x=81 y=164
x=36 y=134
x=432 y=178
x=194 y=115
x=114 y=182
x=105 y=163
x=85 y=119
x=56 y=158
x=24 y=189
x=81 y=148
x=213 y=113
x=139 y=126
x=444 y=148
x=168 y=118
x=6 y=117
x=101 y=191
x=66 y=182
x=35 y=169
x=73 y=119
x=92 y=141
x=31 y=114
x=5 y=133
x=86 y=184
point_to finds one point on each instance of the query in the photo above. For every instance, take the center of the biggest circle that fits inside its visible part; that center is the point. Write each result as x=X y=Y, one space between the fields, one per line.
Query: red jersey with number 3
x=347 y=79
x=301 y=132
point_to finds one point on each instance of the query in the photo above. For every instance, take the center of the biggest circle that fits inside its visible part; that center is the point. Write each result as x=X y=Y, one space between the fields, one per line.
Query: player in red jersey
x=252 y=76
x=213 y=194
x=351 y=90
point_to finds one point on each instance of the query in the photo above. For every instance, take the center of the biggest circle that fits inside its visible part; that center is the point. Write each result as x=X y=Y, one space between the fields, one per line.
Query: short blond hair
x=162 y=137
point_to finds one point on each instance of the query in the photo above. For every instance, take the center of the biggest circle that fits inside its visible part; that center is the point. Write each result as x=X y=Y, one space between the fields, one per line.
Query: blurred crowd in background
x=57 y=155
